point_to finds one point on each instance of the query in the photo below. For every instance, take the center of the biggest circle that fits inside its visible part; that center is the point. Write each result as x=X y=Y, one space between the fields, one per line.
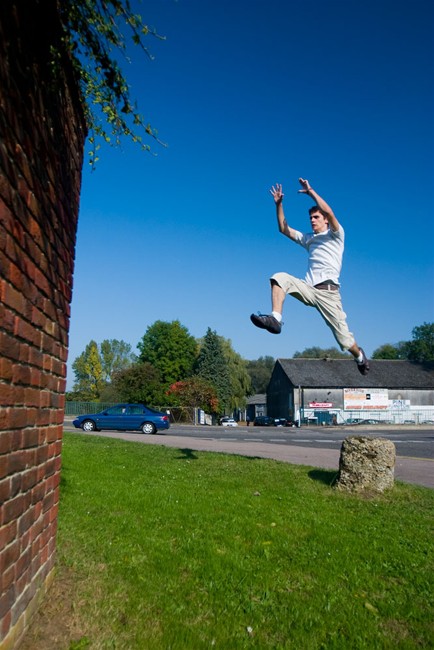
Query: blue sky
x=247 y=94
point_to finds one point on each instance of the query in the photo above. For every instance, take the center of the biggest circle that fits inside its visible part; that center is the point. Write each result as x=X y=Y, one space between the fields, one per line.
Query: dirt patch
x=55 y=626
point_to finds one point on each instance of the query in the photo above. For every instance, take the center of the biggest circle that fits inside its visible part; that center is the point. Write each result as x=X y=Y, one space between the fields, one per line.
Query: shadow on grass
x=327 y=476
x=188 y=454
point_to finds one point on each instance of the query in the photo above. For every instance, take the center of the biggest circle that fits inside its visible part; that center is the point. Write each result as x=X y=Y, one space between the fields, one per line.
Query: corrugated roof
x=260 y=398
x=343 y=373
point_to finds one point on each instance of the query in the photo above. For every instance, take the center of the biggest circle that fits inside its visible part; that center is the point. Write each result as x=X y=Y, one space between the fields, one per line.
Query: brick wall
x=41 y=145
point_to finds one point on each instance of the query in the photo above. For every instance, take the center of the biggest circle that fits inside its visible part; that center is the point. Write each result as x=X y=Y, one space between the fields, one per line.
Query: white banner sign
x=365 y=398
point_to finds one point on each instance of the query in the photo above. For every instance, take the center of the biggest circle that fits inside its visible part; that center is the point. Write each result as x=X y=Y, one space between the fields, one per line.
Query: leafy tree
x=194 y=392
x=139 y=383
x=169 y=348
x=320 y=353
x=421 y=348
x=260 y=371
x=88 y=372
x=95 y=34
x=115 y=356
x=240 y=381
x=212 y=366
x=389 y=351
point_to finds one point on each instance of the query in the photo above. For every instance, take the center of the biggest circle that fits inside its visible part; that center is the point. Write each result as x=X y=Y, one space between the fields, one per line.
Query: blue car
x=124 y=417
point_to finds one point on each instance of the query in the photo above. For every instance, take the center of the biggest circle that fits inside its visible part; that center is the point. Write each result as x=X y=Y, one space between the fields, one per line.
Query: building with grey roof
x=331 y=390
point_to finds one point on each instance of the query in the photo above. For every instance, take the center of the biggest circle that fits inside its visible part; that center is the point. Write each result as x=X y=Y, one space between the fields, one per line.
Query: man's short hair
x=315 y=208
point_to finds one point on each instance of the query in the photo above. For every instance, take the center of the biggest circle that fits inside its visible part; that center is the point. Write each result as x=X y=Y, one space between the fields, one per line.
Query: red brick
x=5 y=437
x=7 y=534
x=18 y=418
x=5 y=489
x=21 y=374
x=25 y=522
x=14 y=299
x=30 y=438
x=7 y=578
x=6 y=601
x=9 y=556
x=6 y=367
x=7 y=319
x=4 y=466
x=28 y=479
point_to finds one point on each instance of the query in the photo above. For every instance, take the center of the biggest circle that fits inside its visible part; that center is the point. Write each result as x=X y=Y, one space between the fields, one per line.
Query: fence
x=381 y=416
x=178 y=414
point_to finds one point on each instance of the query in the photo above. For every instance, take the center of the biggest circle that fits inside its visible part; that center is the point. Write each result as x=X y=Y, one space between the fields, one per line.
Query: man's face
x=318 y=222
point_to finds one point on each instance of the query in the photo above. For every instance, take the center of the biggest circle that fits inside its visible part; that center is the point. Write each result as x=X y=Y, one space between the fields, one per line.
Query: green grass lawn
x=178 y=549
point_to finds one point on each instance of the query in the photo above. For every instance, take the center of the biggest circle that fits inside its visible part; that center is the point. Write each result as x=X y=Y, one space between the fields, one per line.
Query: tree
x=93 y=32
x=194 y=392
x=240 y=381
x=260 y=371
x=115 y=356
x=421 y=348
x=212 y=366
x=169 y=348
x=139 y=383
x=88 y=372
x=320 y=353
x=389 y=351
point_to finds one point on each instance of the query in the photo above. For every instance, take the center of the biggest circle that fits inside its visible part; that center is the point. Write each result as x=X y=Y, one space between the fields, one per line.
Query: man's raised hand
x=277 y=193
x=305 y=185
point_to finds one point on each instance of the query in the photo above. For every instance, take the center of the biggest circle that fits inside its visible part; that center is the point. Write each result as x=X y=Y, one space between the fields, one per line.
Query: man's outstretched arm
x=277 y=194
x=323 y=205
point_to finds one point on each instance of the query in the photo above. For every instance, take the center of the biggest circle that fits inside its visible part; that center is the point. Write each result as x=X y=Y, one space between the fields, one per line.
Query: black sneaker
x=266 y=323
x=363 y=367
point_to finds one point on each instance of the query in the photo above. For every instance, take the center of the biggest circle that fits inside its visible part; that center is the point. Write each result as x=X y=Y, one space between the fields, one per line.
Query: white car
x=229 y=422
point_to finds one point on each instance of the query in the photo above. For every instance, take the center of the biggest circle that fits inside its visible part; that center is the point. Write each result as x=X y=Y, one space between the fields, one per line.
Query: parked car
x=263 y=421
x=283 y=422
x=229 y=422
x=354 y=421
x=124 y=417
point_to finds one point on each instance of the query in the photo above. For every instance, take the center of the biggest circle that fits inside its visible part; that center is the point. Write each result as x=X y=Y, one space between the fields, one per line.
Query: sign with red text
x=320 y=405
x=365 y=398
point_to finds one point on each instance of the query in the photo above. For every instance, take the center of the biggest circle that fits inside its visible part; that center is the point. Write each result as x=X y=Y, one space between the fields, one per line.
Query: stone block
x=366 y=464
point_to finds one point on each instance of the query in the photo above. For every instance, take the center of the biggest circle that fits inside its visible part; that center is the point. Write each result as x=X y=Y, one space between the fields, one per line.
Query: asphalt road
x=414 y=442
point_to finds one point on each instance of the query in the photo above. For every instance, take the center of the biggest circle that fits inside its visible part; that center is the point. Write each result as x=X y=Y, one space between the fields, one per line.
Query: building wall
x=41 y=143
x=282 y=397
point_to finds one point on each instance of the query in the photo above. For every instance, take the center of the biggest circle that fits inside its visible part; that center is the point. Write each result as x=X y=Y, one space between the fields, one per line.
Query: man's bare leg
x=361 y=358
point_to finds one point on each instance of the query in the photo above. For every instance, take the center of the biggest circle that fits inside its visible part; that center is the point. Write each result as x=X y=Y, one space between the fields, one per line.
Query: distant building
x=326 y=391
x=256 y=405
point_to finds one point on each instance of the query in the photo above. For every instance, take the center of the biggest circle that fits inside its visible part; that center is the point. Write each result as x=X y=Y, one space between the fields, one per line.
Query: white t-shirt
x=325 y=250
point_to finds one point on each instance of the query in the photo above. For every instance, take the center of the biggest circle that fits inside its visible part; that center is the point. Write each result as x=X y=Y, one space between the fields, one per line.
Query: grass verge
x=178 y=549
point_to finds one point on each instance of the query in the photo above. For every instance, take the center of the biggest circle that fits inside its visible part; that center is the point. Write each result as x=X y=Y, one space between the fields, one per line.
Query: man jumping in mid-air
x=320 y=289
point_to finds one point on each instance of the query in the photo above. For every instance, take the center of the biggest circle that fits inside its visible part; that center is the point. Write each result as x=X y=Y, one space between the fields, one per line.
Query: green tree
x=389 y=351
x=212 y=365
x=96 y=38
x=115 y=356
x=321 y=353
x=260 y=371
x=421 y=348
x=88 y=372
x=240 y=381
x=171 y=349
x=139 y=383
x=194 y=392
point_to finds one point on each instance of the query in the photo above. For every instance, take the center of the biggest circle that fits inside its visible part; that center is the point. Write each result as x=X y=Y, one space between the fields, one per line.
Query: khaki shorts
x=328 y=303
